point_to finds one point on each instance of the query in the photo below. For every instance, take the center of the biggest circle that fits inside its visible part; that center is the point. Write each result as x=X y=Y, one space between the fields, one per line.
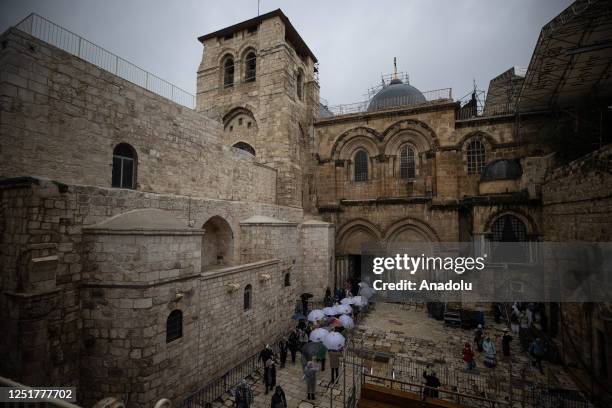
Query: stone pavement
x=401 y=341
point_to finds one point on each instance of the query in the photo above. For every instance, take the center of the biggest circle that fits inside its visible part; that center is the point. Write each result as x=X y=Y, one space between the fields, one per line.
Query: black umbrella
x=311 y=349
x=306 y=295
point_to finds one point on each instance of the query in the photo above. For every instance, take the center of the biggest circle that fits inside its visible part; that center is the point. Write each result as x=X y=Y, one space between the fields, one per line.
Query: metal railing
x=437 y=95
x=490 y=110
x=419 y=389
x=51 y=33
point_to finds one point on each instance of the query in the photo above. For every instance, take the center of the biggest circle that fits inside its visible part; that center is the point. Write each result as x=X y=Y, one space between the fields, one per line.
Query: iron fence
x=51 y=33
x=490 y=110
x=437 y=95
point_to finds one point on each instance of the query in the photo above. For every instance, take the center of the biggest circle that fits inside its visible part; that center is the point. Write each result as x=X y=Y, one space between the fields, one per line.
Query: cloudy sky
x=440 y=43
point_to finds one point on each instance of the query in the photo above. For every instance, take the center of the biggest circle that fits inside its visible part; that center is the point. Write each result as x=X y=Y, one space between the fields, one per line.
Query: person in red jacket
x=468 y=356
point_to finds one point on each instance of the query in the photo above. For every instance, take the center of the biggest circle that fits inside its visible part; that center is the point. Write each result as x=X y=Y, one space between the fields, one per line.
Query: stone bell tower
x=259 y=78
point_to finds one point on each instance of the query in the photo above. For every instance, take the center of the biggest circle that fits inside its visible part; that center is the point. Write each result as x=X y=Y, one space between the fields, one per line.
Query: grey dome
x=502 y=170
x=396 y=93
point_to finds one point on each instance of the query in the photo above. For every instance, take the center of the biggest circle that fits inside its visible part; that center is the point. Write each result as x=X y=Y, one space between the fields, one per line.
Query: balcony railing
x=437 y=95
x=51 y=33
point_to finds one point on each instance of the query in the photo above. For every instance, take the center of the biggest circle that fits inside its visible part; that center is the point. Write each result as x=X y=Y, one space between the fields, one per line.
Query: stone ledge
x=230 y=270
x=138 y=285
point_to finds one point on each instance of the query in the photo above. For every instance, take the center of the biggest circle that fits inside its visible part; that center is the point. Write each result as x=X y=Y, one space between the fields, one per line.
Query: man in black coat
x=278 y=399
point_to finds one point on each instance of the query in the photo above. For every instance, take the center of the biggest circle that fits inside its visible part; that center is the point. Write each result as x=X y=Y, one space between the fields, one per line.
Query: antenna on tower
x=257 y=8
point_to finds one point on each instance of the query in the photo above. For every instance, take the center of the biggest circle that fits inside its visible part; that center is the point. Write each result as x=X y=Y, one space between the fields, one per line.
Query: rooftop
x=291 y=33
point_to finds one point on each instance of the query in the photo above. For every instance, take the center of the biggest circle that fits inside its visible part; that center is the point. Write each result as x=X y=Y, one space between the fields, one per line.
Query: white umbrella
x=330 y=311
x=360 y=301
x=347 y=321
x=366 y=291
x=315 y=315
x=317 y=335
x=334 y=341
x=348 y=301
x=344 y=309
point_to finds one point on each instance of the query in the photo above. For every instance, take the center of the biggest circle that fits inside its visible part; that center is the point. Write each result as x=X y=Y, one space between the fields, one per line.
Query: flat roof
x=291 y=33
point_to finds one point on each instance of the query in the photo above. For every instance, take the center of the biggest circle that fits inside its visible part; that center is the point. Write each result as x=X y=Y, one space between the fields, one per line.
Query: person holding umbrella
x=310 y=375
x=321 y=354
x=334 y=363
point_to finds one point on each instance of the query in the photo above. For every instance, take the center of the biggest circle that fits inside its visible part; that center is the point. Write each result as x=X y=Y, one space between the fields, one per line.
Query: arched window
x=476 y=157
x=508 y=228
x=174 y=326
x=407 y=163
x=300 y=84
x=250 y=68
x=124 y=166
x=228 y=72
x=245 y=146
x=287 y=279
x=509 y=236
x=248 y=297
x=361 y=166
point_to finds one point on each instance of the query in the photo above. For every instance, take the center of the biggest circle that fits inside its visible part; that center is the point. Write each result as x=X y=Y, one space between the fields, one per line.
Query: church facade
x=148 y=247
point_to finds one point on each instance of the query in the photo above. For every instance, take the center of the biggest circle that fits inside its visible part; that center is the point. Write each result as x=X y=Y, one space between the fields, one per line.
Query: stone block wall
x=318 y=252
x=62 y=117
x=577 y=206
x=42 y=311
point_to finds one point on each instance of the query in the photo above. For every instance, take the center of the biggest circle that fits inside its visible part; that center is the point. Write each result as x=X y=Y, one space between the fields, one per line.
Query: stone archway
x=217 y=243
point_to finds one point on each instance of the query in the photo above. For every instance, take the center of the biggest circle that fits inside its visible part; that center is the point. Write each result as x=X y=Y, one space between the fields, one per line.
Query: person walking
x=270 y=375
x=506 y=339
x=278 y=398
x=321 y=354
x=536 y=352
x=310 y=374
x=478 y=336
x=334 y=363
x=489 y=350
x=283 y=346
x=243 y=395
x=514 y=320
x=432 y=382
x=293 y=344
x=328 y=300
x=468 y=356
x=302 y=338
x=524 y=330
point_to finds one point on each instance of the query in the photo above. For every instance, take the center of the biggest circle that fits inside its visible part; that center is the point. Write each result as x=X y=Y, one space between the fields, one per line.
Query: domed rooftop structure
x=397 y=93
x=502 y=169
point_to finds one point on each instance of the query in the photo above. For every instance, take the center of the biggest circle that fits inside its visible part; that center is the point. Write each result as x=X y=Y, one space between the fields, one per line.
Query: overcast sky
x=439 y=43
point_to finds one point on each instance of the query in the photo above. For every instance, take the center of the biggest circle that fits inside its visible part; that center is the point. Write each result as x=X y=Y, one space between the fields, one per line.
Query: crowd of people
x=522 y=318
x=296 y=341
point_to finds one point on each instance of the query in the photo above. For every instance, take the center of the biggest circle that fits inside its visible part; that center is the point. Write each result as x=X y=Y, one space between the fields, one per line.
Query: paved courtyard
x=400 y=341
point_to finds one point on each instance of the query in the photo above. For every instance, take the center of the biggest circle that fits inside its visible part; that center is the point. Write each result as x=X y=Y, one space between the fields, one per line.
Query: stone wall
x=62 y=117
x=44 y=260
x=318 y=251
x=577 y=206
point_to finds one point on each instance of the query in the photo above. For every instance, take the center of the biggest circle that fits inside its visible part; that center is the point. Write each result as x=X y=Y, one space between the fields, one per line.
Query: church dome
x=502 y=170
x=397 y=93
